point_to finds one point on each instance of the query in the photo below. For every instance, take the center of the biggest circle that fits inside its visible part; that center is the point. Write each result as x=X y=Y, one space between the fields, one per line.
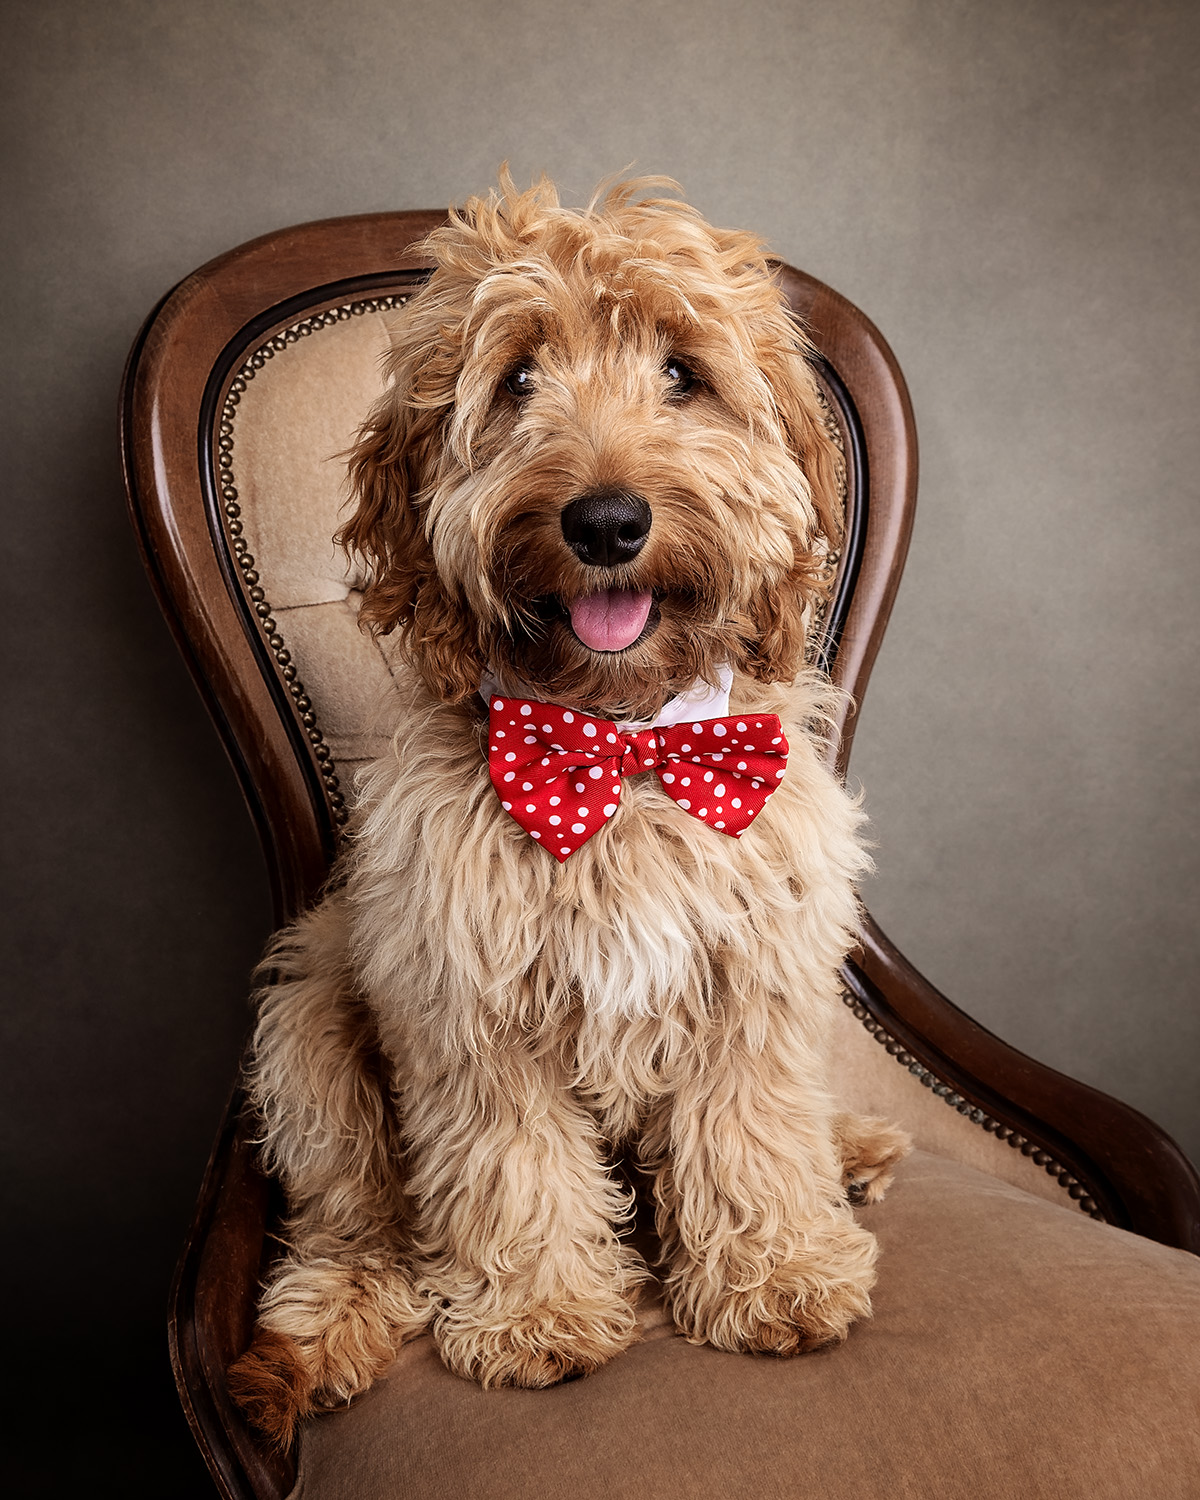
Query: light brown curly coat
x=454 y=1045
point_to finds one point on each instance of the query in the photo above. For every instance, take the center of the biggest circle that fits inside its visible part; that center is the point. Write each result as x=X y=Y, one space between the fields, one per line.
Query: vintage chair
x=1034 y=1334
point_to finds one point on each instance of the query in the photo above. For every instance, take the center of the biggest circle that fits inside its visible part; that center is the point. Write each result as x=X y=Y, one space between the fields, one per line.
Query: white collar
x=700 y=701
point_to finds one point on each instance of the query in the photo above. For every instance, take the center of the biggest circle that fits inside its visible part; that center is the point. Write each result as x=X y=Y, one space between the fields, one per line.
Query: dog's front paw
x=870 y=1150
x=539 y=1347
x=778 y=1308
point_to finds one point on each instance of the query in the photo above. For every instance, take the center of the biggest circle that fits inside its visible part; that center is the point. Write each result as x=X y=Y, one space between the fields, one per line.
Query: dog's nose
x=606 y=527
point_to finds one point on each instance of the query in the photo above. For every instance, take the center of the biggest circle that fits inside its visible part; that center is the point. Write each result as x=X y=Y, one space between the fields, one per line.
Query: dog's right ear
x=392 y=466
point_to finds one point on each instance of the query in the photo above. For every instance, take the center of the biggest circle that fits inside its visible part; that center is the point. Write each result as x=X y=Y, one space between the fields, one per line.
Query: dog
x=598 y=505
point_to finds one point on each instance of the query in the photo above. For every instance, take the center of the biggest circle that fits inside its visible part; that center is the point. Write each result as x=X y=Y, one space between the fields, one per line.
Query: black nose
x=607 y=527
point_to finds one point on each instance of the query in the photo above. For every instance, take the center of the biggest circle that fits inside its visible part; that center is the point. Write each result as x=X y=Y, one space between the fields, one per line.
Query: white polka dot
x=568 y=717
x=554 y=801
x=718 y=825
x=687 y=806
x=530 y=807
x=719 y=790
x=609 y=809
x=580 y=787
x=741 y=724
x=546 y=729
x=719 y=755
x=525 y=708
x=778 y=774
x=499 y=734
x=507 y=806
x=556 y=747
x=545 y=760
x=596 y=772
x=555 y=820
x=612 y=739
x=590 y=731
x=564 y=850
x=511 y=776
x=756 y=784
x=749 y=747
x=758 y=723
x=719 y=730
x=531 y=739
x=708 y=775
x=704 y=812
x=697 y=728
x=512 y=755
x=741 y=765
x=578 y=828
x=685 y=781
x=683 y=749
x=526 y=786
x=497 y=703
x=534 y=834
x=737 y=802
x=776 y=740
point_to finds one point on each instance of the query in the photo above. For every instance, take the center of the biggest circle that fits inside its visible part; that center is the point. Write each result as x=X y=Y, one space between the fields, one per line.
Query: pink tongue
x=612 y=620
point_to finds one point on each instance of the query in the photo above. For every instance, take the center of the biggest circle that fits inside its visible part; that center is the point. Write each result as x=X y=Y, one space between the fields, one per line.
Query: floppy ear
x=391 y=466
x=783 y=613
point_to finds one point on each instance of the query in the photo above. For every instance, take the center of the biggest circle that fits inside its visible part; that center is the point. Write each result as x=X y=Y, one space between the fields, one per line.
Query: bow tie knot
x=642 y=752
x=558 y=771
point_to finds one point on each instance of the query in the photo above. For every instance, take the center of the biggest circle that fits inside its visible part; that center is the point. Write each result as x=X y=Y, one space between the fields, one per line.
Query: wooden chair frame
x=1120 y=1165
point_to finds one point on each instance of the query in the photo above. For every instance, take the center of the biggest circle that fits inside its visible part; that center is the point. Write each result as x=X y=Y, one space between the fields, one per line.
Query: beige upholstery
x=292 y=424
x=293 y=415
x=1018 y=1349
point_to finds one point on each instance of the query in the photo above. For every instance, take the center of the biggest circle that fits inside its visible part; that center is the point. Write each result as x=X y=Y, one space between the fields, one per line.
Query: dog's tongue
x=611 y=620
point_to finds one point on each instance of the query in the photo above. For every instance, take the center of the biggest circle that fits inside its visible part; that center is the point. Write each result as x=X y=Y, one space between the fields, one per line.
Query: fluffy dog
x=601 y=485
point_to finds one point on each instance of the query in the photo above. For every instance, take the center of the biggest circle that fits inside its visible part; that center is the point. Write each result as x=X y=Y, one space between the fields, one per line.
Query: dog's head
x=600 y=466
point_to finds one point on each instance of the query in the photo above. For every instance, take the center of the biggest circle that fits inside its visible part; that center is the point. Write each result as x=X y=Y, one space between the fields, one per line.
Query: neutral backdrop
x=1008 y=187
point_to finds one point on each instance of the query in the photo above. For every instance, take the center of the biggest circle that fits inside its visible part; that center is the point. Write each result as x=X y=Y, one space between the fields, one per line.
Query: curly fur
x=451 y=1048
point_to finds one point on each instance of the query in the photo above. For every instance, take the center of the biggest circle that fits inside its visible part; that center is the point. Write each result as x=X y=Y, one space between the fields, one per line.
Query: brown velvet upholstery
x=1018 y=1349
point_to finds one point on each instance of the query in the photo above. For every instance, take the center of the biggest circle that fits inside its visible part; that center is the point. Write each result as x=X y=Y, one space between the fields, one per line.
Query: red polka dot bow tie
x=558 y=772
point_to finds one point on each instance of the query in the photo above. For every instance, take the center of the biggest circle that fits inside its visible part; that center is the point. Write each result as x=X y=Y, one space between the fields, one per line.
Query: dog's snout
x=606 y=527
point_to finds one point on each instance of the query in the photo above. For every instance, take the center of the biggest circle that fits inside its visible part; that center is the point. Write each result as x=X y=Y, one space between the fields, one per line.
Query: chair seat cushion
x=1018 y=1349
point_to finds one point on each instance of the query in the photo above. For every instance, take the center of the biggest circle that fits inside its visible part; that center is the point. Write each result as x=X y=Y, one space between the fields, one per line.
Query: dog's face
x=600 y=467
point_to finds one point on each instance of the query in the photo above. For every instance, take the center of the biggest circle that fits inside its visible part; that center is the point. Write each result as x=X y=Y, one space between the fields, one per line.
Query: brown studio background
x=1008 y=189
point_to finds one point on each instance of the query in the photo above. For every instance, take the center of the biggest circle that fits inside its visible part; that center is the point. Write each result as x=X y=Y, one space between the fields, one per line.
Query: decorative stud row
x=1037 y=1154
x=247 y=567
x=816 y=631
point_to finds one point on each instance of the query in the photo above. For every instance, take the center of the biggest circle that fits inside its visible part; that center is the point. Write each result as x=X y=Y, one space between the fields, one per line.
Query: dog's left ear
x=782 y=613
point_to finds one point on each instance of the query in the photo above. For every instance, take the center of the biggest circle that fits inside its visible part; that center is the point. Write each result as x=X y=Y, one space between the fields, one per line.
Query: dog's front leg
x=515 y=1218
x=762 y=1252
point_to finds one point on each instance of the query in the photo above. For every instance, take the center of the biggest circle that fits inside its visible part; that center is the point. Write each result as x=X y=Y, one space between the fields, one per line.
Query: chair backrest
x=264 y=363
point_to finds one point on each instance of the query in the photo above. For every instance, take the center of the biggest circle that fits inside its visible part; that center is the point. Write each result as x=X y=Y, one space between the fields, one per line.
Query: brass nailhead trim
x=977 y=1116
x=816 y=631
x=231 y=506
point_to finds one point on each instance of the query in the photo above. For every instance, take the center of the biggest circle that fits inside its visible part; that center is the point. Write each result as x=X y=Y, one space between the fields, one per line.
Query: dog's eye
x=680 y=379
x=519 y=382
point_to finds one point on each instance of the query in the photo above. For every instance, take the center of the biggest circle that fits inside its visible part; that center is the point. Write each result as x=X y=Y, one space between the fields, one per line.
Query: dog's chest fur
x=656 y=929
